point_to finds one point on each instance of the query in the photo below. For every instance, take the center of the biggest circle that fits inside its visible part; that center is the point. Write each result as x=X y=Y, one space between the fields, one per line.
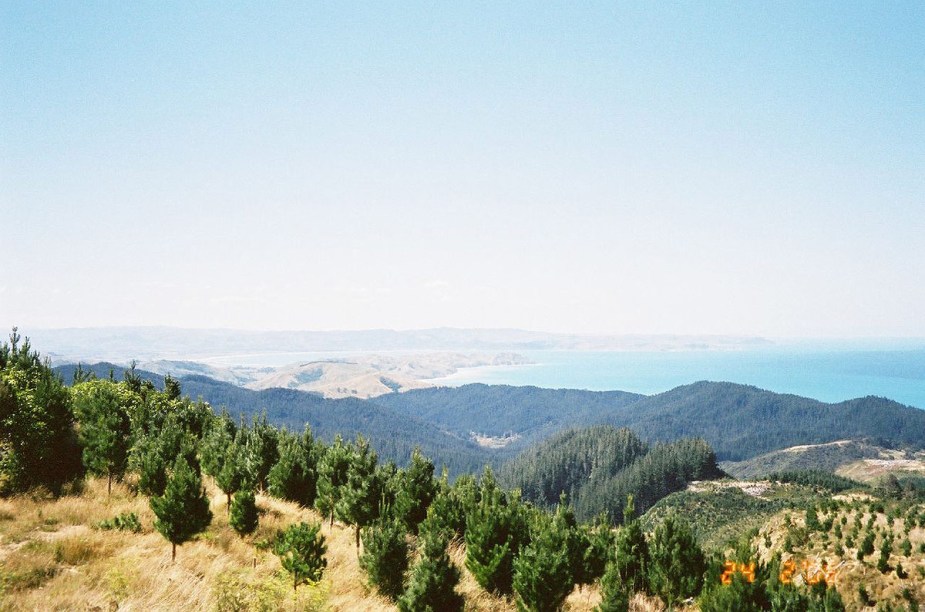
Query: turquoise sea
x=827 y=375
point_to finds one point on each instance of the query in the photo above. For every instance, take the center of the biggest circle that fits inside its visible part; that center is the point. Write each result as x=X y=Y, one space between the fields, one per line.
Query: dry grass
x=52 y=557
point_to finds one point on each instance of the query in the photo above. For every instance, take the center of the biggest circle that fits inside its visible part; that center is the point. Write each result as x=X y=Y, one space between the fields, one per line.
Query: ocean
x=827 y=375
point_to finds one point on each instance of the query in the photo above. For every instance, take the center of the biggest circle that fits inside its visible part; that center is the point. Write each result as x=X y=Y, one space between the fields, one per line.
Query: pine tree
x=244 y=517
x=38 y=442
x=215 y=444
x=360 y=497
x=294 y=476
x=594 y=544
x=151 y=465
x=883 y=563
x=543 y=571
x=737 y=596
x=447 y=509
x=615 y=596
x=101 y=407
x=183 y=510
x=301 y=551
x=231 y=476
x=677 y=562
x=629 y=566
x=416 y=491
x=385 y=557
x=433 y=579
x=333 y=467
x=495 y=532
x=812 y=519
x=259 y=450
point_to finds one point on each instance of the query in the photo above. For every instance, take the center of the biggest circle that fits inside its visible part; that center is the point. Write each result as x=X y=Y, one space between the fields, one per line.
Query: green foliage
x=416 y=491
x=162 y=430
x=361 y=494
x=294 y=476
x=233 y=474
x=663 y=470
x=812 y=519
x=333 y=470
x=260 y=450
x=543 y=570
x=677 y=563
x=496 y=530
x=38 y=442
x=448 y=509
x=244 y=517
x=569 y=459
x=615 y=597
x=301 y=551
x=867 y=545
x=183 y=510
x=629 y=567
x=593 y=545
x=218 y=439
x=738 y=596
x=385 y=557
x=102 y=411
x=883 y=562
x=433 y=579
x=127 y=521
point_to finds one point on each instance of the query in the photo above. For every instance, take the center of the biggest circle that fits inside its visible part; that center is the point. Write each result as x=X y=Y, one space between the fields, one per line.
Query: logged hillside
x=827 y=457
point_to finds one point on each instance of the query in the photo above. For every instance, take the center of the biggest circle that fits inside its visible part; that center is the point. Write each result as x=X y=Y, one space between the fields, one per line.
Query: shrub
x=127 y=521
x=244 y=516
x=301 y=550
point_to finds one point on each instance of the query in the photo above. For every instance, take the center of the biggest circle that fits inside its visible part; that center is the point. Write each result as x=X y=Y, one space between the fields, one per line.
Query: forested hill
x=741 y=421
x=531 y=414
x=598 y=467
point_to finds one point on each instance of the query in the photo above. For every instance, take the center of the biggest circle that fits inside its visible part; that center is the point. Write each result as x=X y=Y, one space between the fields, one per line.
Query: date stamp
x=792 y=571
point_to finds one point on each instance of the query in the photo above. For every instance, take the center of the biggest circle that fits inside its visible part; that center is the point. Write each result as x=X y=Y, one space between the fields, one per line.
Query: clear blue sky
x=708 y=167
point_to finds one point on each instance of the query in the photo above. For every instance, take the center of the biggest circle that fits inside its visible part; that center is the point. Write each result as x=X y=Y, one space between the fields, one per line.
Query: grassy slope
x=52 y=557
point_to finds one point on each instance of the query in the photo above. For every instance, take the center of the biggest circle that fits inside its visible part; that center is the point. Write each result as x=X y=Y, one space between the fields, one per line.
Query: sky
x=632 y=167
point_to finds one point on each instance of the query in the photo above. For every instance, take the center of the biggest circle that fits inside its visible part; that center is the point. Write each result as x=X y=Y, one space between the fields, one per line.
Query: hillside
x=567 y=461
x=521 y=415
x=742 y=422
